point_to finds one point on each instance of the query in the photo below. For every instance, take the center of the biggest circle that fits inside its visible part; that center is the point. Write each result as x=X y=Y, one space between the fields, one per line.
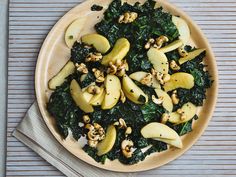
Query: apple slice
x=189 y=110
x=99 y=42
x=138 y=76
x=183 y=29
x=107 y=144
x=100 y=100
x=97 y=99
x=179 y=80
x=83 y=77
x=172 y=46
x=73 y=31
x=132 y=91
x=87 y=96
x=78 y=97
x=59 y=78
x=158 y=130
x=159 y=60
x=191 y=55
x=167 y=102
x=175 y=142
x=85 y=88
x=113 y=87
x=119 y=51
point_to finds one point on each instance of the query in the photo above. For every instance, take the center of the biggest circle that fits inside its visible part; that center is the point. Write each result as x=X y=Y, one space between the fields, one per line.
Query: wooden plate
x=54 y=54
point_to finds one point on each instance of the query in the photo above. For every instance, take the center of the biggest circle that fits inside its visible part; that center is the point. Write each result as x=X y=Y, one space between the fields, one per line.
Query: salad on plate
x=133 y=88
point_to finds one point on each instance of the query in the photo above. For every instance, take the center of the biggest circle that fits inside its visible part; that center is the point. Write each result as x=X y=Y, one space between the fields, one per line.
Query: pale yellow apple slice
x=107 y=144
x=172 y=46
x=85 y=88
x=183 y=29
x=159 y=60
x=167 y=102
x=100 y=100
x=132 y=91
x=87 y=96
x=175 y=142
x=78 y=97
x=83 y=77
x=138 y=76
x=73 y=31
x=99 y=42
x=179 y=80
x=158 y=130
x=97 y=99
x=59 y=78
x=191 y=55
x=119 y=51
x=113 y=87
x=189 y=110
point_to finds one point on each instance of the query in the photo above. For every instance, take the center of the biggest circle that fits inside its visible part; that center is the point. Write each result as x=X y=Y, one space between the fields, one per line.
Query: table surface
x=213 y=155
x=3 y=69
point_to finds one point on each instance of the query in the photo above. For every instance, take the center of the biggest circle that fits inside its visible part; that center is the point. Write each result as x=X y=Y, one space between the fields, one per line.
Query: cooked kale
x=142 y=99
x=152 y=112
x=62 y=107
x=202 y=82
x=88 y=80
x=96 y=7
x=137 y=156
x=183 y=128
x=79 y=52
x=93 y=153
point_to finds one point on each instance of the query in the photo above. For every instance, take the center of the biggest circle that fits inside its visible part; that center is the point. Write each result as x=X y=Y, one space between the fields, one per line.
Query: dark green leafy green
x=142 y=99
x=93 y=153
x=79 y=52
x=62 y=107
x=137 y=156
x=152 y=112
x=96 y=7
x=157 y=146
x=183 y=128
x=88 y=80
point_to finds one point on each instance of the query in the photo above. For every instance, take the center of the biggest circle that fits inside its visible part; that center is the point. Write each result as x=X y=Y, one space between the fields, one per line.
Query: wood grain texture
x=213 y=155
